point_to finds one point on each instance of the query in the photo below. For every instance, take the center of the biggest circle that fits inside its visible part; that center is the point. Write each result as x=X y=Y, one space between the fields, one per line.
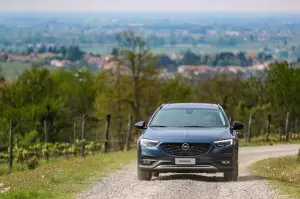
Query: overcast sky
x=152 y=5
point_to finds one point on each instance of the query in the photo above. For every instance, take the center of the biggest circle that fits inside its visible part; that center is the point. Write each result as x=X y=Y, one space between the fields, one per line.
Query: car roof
x=190 y=105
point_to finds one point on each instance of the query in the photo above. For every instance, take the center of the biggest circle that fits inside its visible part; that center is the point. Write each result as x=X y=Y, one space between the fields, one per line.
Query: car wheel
x=232 y=175
x=155 y=174
x=144 y=175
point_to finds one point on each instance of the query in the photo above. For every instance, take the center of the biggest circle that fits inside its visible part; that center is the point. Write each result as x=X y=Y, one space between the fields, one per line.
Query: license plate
x=185 y=161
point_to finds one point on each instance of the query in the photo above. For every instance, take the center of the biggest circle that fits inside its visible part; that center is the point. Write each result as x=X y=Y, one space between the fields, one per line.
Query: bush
x=3 y=158
x=32 y=162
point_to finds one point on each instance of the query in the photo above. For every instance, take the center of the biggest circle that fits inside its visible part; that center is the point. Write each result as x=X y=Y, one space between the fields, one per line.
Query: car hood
x=164 y=134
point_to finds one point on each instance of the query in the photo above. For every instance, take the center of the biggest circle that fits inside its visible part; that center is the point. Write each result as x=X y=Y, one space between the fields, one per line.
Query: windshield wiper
x=194 y=126
x=158 y=126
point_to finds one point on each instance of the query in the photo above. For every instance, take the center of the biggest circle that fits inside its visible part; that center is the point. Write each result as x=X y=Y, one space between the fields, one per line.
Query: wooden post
x=249 y=127
x=83 y=135
x=287 y=127
x=46 y=140
x=280 y=133
x=296 y=128
x=129 y=133
x=45 y=132
x=245 y=132
x=74 y=131
x=268 y=127
x=11 y=143
x=108 y=116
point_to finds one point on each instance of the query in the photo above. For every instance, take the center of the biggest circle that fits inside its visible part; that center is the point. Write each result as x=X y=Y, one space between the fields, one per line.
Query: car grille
x=193 y=150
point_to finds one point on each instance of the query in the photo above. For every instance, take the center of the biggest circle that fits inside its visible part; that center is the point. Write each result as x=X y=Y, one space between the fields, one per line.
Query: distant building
x=60 y=63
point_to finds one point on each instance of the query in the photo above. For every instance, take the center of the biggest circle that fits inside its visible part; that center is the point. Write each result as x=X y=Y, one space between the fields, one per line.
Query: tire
x=232 y=175
x=144 y=175
x=155 y=174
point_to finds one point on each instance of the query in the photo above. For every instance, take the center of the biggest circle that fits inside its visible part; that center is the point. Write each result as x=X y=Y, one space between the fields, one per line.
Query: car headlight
x=223 y=143
x=149 y=143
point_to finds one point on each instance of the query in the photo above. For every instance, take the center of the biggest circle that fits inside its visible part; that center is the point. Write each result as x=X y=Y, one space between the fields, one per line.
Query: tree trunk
x=11 y=143
x=129 y=132
x=108 y=116
x=83 y=135
x=287 y=127
x=249 y=128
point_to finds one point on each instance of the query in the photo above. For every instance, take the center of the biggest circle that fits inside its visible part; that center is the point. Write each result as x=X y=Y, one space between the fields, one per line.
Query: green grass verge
x=62 y=178
x=283 y=173
x=264 y=143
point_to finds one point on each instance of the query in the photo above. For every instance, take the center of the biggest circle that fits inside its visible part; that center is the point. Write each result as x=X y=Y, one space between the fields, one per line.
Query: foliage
x=32 y=162
x=56 y=102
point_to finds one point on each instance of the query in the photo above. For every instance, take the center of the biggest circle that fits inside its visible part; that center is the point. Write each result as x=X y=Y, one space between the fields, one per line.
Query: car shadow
x=194 y=177
x=199 y=177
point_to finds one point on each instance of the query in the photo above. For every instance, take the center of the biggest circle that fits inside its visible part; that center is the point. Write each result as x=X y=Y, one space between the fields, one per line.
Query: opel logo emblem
x=185 y=146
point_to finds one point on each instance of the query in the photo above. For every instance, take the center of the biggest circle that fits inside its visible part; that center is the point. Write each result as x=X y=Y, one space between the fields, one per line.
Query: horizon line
x=148 y=12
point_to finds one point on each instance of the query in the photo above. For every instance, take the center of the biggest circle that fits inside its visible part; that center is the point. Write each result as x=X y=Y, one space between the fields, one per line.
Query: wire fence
x=89 y=135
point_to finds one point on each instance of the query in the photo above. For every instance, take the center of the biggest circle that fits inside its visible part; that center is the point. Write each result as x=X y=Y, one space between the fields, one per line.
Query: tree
x=190 y=58
x=115 y=52
x=62 y=50
x=27 y=99
x=242 y=57
x=74 y=53
x=42 y=49
x=164 y=60
x=139 y=65
x=29 y=50
x=263 y=56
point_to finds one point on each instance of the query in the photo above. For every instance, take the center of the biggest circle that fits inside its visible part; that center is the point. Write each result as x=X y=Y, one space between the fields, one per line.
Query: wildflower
x=5 y=190
x=1 y=184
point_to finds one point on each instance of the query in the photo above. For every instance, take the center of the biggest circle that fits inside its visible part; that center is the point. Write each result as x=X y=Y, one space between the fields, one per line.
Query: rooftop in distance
x=190 y=105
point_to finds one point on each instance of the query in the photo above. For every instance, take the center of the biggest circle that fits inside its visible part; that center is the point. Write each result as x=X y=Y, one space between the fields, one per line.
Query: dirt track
x=124 y=184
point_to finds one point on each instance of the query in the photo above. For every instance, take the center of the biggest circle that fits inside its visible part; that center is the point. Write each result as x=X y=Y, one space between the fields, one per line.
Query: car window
x=189 y=117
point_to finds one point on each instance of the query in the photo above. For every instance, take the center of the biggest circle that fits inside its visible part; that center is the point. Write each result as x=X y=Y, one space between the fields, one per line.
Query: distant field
x=201 y=48
x=13 y=70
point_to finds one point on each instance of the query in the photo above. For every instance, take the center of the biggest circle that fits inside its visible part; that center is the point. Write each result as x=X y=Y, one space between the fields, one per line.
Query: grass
x=62 y=178
x=243 y=143
x=283 y=173
x=18 y=167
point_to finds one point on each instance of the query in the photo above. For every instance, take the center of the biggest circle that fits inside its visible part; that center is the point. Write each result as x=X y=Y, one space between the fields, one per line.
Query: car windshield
x=189 y=117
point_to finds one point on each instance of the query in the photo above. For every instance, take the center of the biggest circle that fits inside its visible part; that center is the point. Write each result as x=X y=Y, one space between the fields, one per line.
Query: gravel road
x=124 y=184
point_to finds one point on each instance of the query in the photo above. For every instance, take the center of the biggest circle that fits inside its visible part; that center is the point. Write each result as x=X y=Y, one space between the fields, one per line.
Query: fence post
x=268 y=127
x=287 y=127
x=74 y=131
x=107 y=132
x=83 y=135
x=249 y=127
x=129 y=133
x=11 y=143
x=296 y=128
x=46 y=140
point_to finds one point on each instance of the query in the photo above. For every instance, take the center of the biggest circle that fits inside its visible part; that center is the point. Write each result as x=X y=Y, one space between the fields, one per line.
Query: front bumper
x=218 y=159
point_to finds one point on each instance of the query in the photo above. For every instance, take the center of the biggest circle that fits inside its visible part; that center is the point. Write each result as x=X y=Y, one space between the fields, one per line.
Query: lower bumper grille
x=185 y=149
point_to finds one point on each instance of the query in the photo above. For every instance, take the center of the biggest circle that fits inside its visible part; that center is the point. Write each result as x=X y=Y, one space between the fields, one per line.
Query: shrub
x=32 y=162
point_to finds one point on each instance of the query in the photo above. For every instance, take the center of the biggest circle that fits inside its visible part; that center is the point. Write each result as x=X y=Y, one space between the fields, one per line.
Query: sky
x=153 y=5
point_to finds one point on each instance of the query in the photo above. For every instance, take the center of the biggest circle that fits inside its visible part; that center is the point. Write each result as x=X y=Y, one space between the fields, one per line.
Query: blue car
x=188 y=138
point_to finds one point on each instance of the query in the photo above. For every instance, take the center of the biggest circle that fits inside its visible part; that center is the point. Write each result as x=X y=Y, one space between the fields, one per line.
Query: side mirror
x=140 y=125
x=237 y=126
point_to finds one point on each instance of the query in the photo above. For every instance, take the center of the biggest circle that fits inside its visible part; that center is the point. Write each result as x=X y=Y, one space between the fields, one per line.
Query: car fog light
x=147 y=161
x=225 y=162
